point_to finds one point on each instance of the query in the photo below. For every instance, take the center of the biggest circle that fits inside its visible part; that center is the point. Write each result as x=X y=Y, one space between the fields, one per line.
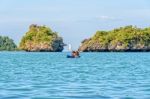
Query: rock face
x=7 y=44
x=41 y=39
x=124 y=39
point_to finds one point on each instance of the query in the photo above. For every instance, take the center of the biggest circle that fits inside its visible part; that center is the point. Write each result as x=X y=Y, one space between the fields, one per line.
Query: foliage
x=7 y=44
x=37 y=35
x=128 y=37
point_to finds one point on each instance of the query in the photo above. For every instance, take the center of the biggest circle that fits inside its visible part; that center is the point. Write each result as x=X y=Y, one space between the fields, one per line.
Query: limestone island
x=7 y=44
x=123 y=39
x=41 y=39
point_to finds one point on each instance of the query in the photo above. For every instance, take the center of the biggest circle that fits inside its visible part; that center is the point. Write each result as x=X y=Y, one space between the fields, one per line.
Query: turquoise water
x=93 y=76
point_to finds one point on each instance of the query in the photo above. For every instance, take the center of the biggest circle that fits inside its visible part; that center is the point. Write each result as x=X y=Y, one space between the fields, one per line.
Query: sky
x=74 y=20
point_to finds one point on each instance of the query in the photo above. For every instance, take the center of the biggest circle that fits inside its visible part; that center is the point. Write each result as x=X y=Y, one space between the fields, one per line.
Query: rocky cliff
x=127 y=38
x=41 y=39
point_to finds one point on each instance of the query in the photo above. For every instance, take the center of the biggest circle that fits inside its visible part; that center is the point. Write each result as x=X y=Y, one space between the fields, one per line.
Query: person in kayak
x=75 y=54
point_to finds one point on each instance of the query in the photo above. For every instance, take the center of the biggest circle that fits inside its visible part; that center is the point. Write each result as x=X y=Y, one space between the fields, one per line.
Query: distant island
x=7 y=44
x=123 y=39
x=41 y=39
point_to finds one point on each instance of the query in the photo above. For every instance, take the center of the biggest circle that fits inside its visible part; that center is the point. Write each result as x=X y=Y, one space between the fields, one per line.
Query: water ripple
x=93 y=76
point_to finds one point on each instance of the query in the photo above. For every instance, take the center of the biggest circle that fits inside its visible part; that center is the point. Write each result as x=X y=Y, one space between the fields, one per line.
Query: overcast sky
x=74 y=20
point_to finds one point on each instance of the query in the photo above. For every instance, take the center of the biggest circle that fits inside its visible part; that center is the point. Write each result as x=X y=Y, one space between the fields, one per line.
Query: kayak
x=70 y=56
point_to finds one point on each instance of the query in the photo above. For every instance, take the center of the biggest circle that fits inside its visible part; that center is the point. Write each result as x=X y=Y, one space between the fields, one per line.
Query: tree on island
x=41 y=38
x=7 y=44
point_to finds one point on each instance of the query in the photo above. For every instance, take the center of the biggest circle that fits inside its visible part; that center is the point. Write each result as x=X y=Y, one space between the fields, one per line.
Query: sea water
x=92 y=76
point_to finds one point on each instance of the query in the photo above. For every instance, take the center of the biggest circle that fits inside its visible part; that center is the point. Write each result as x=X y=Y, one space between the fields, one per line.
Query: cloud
x=106 y=18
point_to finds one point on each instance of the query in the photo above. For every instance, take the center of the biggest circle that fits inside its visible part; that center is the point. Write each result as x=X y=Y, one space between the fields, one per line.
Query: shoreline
x=84 y=52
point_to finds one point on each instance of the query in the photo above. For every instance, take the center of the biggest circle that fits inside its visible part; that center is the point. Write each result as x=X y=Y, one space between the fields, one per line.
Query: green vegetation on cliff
x=126 y=38
x=7 y=44
x=41 y=38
